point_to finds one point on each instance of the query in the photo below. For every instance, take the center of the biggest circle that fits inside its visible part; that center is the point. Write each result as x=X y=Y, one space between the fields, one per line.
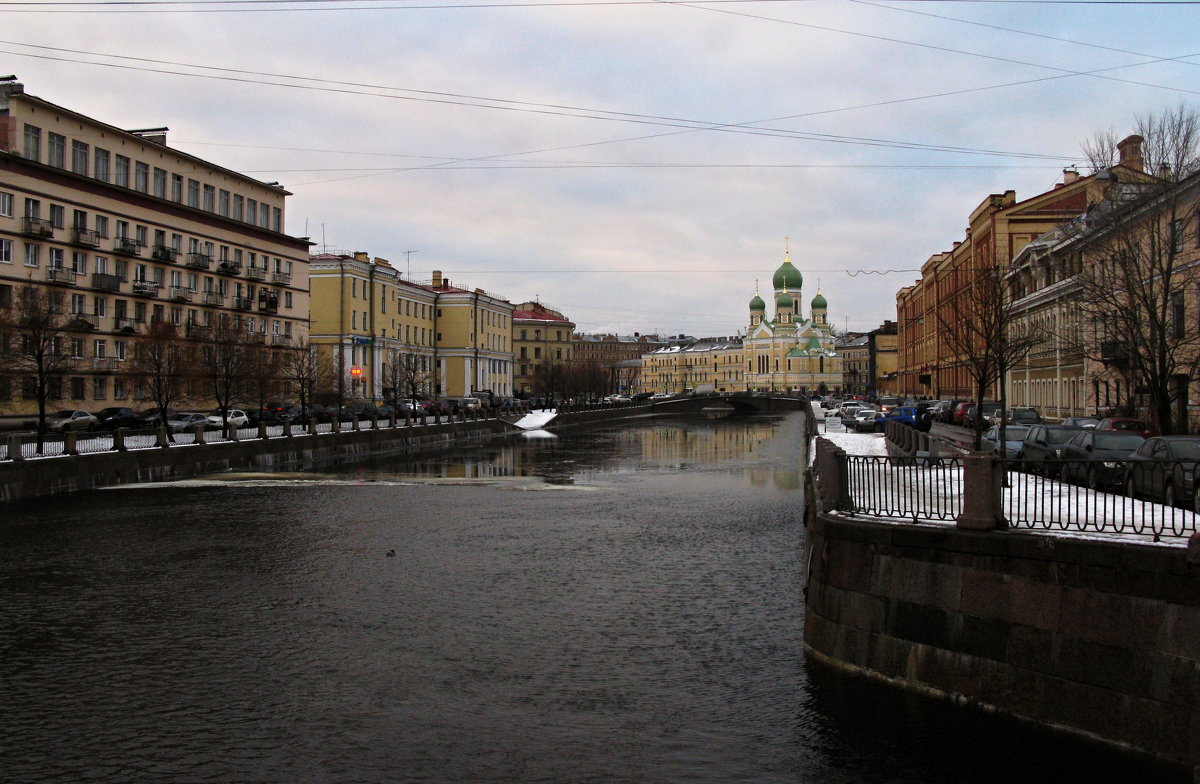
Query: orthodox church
x=789 y=352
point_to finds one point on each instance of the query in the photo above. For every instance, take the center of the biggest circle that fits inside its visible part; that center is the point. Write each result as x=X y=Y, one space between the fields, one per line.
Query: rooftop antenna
x=408 y=261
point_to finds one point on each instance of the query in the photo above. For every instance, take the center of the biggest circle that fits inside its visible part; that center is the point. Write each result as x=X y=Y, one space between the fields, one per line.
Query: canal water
x=616 y=604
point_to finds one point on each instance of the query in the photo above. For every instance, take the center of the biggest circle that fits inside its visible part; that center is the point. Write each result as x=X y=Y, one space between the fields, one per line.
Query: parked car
x=959 y=415
x=661 y=396
x=940 y=409
x=616 y=399
x=1042 y=447
x=1164 y=469
x=886 y=404
x=848 y=406
x=1017 y=416
x=869 y=421
x=117 y=416
x=360 y=410
x=236 y=418
x=1097 y=459
x=152 y=417
x=1089 y=422
x=62 y=421
x=1124 y=424
x=642 y=396
x=1014 y=438
x=184 y=421
x=905 y=415
x=977 y=416
x=850 y=412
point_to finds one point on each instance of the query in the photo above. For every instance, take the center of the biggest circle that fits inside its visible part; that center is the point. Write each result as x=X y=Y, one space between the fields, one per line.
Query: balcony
x=165 y=253
x=268 y=304
x=145 y=288
x=104 y=364
x=61 y=275
x=212 y=298
x=127 y=246
x=1114 y=352
x=180 y=294
x=82 y=321
x=86 y=237
x=256 y=338
x=282 y=278
x=124 y=324
x=243 y=303
x=281 y=340
x=36 y=227
x=198 y=330
x=199 y=261
x=106 y=282
x=254 y=273
x=229 y=268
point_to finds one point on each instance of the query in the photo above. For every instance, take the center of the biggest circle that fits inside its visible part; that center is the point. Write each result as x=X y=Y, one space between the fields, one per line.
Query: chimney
x=156 y=135
x=362 y=256
x=1164 y=171
x=1130 y=149
x=437 y=279
x=1070 y=176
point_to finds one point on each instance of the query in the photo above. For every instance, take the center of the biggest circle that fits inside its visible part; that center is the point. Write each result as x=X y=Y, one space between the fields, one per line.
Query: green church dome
x=757 y=303
x=787 y=277
x=784 y=301
x=819 y=302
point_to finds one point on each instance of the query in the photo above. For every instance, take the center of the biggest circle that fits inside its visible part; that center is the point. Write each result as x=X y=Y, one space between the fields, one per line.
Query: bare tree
x=549 y=379
x=161 y=363
x=406 y=375
x=264 y=372
x=1138 y=271
x=304 y=373
x=979 y=326
x=35 y=329
x=222 y=364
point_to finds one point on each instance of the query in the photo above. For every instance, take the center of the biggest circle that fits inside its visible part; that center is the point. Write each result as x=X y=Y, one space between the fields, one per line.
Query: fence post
x=262 y=429
x=14 y=449
x=199 y=429
x=231 y=432
x=161 y=438
x=70 y=443
x=312 y=426
x=982 y=477
x=354 y=422
x=392 y=420
x=336 y=424
x=833 y=471
x=118 y=440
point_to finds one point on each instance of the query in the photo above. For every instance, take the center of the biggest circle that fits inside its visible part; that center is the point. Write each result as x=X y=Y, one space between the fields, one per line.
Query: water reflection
x=762 y=449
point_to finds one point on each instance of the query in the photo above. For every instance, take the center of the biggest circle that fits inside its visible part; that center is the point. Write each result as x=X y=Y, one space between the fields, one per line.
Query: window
x=33 y=208
x=210 y=198
x=537 y=352
x=6 y=295
x=251 y=211
x=160 y=182
x=6 y=251
x=141 y=177
x=58 y=216
x=100 y=309
x=239 y=207
x=32 y=252
x=77 y=388
x=193 y=196
x=287 y=299
x=1177 y=235
x=276 y=219
x=33 y=143
x=79 y=263
x=76 y=347
x=79 y=219
x=57 y=150
x=100 y=165
x=6 y=204
x=102 y=225
x=1178 y=315
x=79 y=157
x=122 y=171
x=99 y=387
x=120 y=389
x=223 y=203
x=177 y=187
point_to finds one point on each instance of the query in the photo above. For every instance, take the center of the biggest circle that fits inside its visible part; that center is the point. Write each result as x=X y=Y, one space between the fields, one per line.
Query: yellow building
x=124 y=232
x=541 y=336
x=385 y=337
x=790 y=353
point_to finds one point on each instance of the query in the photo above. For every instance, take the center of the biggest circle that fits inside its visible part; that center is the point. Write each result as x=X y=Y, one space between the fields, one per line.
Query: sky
x=635 y=164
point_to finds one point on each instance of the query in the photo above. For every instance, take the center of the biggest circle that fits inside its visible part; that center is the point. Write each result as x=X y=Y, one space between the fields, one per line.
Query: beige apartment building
x=121 y=232
x=541 y=336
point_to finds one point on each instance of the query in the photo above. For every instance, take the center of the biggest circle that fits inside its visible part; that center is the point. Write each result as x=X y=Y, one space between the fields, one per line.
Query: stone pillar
x=161 y=438
x=408 y=418
x=262 y=429
x=312 y=426
x=118 y=440
x=14 y=448
x=336 y=424
x=231 y=432
x=287 y=429
x=199 y=430
x=70 y=443
x=392 y=420
x=982 y=477
x=375 y=422
x=354 y=423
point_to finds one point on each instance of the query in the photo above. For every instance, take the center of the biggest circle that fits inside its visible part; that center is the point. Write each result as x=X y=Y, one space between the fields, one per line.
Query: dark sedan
x=1097 y=459
x=1164 y=469
x=1043 y=445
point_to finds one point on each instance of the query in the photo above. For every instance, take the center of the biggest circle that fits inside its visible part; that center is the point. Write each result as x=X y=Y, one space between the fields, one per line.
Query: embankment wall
x=1096 y=637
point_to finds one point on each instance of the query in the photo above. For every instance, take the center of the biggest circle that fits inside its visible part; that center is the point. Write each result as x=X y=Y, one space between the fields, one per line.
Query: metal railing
x=1155 y=498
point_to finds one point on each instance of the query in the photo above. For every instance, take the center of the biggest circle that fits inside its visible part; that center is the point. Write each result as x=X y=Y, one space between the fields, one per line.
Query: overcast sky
x=638 y=164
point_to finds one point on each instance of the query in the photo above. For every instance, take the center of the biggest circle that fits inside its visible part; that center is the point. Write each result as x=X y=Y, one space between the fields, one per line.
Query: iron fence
x=905 y=487
x=1155 y=498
